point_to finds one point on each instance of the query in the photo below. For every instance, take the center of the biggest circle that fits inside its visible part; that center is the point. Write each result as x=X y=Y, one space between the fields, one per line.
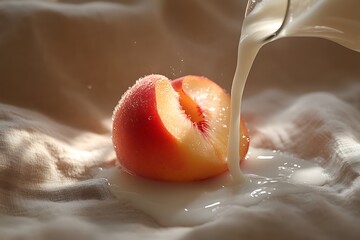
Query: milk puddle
x=268 y=174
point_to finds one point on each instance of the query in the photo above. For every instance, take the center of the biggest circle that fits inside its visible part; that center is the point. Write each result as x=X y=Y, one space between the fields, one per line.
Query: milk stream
x=269 y=174
x=255 y=29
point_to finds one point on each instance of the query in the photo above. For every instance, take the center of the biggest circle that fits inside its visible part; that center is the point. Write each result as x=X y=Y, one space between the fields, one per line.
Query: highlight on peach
x=174 y=130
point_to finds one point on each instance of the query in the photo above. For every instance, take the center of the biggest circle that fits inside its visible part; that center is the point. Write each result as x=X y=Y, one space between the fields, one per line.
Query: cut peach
x=174 y=130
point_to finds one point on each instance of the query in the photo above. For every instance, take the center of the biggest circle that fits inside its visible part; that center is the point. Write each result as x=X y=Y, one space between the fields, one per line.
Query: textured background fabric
x=64 y=66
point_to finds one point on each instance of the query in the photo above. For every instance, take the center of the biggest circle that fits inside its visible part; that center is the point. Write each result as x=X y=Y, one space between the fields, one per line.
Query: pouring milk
x=267 y=20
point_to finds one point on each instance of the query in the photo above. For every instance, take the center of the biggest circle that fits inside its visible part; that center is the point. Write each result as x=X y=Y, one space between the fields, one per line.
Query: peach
x=174 y=130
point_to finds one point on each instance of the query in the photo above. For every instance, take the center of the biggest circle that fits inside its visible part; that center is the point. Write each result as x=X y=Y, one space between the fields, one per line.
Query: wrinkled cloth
x=65 y=64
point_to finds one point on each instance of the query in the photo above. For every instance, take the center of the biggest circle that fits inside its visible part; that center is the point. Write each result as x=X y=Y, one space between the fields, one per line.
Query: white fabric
x=65 y=64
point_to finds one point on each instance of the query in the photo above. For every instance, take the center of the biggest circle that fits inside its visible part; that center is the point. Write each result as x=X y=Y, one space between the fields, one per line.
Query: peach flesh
x=193 y=111
x=162 y=131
